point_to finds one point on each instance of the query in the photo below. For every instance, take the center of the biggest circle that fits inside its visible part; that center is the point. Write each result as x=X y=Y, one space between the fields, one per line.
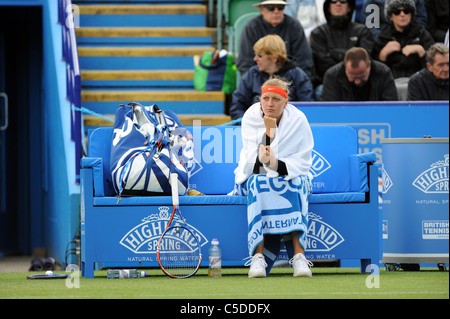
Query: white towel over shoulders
x=293 y=143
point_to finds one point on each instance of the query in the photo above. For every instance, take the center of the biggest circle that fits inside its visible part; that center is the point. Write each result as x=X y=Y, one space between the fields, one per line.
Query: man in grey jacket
x=272 y=20
x=358 y=78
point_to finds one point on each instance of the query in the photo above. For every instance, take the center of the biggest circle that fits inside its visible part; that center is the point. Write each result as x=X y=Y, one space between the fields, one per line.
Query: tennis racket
x=52 y=276
x=178 y=251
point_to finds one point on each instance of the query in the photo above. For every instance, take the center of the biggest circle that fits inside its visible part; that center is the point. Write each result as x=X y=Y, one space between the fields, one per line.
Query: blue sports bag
x=147 y=145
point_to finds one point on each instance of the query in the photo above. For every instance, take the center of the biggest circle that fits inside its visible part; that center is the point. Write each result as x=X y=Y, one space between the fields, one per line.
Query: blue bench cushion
x=217 y=200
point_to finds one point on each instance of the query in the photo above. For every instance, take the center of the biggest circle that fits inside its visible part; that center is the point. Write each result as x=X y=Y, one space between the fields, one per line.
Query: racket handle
x=174 y=185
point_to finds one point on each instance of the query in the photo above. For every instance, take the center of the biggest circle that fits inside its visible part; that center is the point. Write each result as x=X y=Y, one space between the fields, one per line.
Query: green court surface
x=326 y=283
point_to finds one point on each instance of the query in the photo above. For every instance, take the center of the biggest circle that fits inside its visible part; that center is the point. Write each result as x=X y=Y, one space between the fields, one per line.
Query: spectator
x=437 y=11
x=402 y=44
x=271 y=59
x=420 y=16
x=330 y=41
x=272 y=20
x=358 y=78
x=431 y=83
x=308 y=12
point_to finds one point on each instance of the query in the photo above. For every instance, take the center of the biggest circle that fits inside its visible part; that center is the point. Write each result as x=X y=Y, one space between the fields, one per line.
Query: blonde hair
x=273 y=46
x=280 y=82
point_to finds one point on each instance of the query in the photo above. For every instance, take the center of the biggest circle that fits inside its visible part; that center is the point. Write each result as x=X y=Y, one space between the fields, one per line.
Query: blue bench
x=344 y=221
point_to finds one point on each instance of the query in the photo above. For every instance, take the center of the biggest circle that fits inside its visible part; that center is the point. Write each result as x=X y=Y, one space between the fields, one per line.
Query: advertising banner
x=415 y=200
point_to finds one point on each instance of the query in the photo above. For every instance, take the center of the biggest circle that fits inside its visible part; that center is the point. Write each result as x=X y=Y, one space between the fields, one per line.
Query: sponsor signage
x=434 y=179
x=415 y=198
x=143 y=238
x=322 y=237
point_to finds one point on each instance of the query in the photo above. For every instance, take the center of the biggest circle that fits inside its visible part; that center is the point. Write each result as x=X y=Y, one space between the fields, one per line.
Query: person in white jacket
x=308 y=12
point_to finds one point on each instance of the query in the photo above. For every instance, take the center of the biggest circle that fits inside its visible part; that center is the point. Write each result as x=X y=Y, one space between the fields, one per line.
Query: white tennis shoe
x=301 y=266
x=257 y=267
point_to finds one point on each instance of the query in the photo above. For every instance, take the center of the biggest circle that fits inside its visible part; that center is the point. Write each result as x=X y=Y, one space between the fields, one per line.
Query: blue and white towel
x=275 y=206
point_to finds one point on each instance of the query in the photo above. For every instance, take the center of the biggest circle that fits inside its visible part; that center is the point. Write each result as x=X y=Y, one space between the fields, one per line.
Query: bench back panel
x=217 y=150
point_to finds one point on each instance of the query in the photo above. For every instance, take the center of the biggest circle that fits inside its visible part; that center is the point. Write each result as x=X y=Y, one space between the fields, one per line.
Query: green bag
x=215 y=72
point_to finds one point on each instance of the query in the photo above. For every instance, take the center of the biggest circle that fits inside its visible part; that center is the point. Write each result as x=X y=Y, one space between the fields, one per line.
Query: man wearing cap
x=272 y=20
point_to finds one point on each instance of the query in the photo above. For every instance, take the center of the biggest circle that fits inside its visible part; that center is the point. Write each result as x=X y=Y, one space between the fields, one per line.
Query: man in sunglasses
x=402 y=44
x=420 y=16
x=272 y=20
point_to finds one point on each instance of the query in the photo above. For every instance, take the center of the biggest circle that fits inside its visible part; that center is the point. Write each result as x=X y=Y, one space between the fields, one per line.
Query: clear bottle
x=215 y=259
x=125 y=273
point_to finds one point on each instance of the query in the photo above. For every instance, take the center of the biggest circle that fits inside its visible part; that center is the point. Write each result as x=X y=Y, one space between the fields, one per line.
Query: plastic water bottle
x=215 y=259
x=125 y=273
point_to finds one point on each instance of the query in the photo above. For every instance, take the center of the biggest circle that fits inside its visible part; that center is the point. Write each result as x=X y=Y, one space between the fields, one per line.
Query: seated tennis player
x=273 y=173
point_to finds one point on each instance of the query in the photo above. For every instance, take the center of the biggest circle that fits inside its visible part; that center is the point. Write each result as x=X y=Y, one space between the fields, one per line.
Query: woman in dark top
x=403 y=42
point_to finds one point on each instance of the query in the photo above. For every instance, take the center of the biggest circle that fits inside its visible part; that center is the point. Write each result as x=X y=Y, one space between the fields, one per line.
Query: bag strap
x=212 y=66
x=156 y=141
x=215 y=62
x=160 y=140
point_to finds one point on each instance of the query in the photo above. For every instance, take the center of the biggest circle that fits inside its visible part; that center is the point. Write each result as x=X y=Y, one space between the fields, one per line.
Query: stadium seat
x=236 y=35
x=228 y=12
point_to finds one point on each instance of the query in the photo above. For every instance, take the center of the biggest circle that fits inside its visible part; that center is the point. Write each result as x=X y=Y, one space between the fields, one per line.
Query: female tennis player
x=273 y=173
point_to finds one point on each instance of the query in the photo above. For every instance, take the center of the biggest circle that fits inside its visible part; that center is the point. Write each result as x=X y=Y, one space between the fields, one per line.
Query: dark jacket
x=438 y=18
x=381 y=86
x=290 y=30
x=249 y=89
x=400 y=64
x=423 y=86
x=330 y=41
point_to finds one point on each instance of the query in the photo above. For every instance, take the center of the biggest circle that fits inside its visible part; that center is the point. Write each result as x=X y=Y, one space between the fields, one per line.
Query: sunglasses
x=271 y=7
x=397 y=11
x=336 y=1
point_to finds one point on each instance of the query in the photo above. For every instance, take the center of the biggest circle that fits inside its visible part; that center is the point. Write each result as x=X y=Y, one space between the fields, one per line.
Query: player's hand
x=266 y=156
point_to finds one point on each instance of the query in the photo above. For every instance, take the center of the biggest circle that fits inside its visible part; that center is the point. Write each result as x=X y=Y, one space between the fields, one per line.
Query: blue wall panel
x=374 y=121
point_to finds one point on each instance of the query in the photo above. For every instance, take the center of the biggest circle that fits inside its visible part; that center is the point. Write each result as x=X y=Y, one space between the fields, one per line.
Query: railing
x=73 y=76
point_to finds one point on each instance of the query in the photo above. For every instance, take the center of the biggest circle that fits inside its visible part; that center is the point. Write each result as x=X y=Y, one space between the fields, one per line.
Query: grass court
x=326 y=283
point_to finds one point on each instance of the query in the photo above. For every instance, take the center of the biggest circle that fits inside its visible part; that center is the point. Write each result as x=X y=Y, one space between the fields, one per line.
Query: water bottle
x=215 y=259
x=125 y=273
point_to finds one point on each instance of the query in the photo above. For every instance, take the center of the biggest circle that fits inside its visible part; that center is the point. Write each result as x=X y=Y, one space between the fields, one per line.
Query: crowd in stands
x=346 y=50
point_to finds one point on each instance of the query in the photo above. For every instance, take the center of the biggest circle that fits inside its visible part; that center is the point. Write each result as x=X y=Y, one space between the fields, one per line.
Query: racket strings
x=179 y=252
